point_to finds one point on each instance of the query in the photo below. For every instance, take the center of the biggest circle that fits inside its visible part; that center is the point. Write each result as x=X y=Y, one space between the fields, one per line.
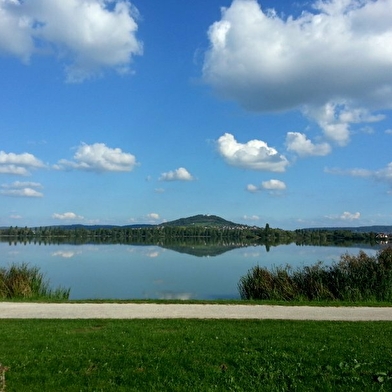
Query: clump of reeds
x=25 y=282
x=353 y=278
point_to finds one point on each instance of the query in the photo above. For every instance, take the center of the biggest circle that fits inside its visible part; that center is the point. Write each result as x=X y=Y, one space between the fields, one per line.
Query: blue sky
x=115 y=112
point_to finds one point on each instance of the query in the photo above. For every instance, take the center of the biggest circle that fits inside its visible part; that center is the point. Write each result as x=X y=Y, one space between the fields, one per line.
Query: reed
x=21 y=281
x=352 y=278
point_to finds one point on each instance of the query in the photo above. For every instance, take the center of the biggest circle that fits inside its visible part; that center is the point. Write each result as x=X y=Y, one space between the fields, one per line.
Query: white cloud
x=99 y=158
x=388 y=131
x=12 y=169
x=87 y=35
x=384 y=174
x=254 y=155
x=349 y=172
x=180 y=174
x=300 y=144
x=276 y=185
x=315 y=62
x=15 y=28
x=252 y=188
x=350 y=216
x=25 y=192
x=18 y=164
x=335 y=118
x=381 y=175
x=21 y=189
x=367 y=130
x=251 y=218
x=345 y=216
x=67 y=216
x=153 y=216
x=22 y=184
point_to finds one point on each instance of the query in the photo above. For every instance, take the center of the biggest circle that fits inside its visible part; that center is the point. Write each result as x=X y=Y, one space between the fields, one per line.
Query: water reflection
x=200 y=247
x=196 y=246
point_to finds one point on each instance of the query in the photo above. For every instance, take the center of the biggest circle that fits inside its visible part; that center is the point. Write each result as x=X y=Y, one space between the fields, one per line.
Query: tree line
x=168 y=234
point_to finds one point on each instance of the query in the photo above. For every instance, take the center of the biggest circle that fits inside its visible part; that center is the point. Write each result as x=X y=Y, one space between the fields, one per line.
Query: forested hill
x=197 y=220
x=202 y=220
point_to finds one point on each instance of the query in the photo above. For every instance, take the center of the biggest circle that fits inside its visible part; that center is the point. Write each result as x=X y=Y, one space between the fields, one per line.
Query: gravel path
x=12 y=310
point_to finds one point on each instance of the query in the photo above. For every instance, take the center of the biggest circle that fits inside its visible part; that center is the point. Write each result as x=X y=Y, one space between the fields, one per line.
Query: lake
x=146 y=271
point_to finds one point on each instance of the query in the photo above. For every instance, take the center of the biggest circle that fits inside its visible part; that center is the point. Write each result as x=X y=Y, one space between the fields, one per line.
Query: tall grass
x=352 y=278
x=25 y=282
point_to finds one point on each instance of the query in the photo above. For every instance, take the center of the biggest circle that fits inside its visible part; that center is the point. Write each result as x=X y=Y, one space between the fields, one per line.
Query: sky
x=119 y=112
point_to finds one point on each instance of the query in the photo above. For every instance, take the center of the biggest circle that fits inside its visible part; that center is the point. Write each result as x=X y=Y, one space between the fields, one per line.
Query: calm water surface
x=140 y=272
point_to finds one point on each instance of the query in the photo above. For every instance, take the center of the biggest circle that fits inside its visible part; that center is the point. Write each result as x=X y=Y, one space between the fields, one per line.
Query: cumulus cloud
x=254 y=155
x=180 y=174
x=153 y=216
x=18 y=164
x=301 y=145
x=67 y=216
x=315 y=62
x=21 y=189
x=87 y=35
x=335 y=119
x=99 y=158
x=274 y=185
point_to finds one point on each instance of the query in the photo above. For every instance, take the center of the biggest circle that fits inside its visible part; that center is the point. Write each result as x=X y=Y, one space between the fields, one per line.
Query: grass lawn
x=195 y=355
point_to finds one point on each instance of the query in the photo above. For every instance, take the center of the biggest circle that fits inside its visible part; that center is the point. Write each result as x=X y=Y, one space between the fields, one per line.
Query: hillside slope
x=202 y=220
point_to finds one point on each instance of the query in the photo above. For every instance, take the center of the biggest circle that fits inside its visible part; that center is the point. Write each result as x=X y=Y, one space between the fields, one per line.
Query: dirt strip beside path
x=13 y=310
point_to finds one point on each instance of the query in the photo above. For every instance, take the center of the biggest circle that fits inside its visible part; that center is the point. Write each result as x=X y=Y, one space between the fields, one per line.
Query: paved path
x=165 y=311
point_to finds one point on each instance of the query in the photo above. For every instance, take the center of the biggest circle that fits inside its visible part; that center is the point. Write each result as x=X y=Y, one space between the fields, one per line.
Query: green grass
x=195 y=355
x=21 y=281
x=352 y=279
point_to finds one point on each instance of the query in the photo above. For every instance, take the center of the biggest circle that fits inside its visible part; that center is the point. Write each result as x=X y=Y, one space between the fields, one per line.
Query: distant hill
x=95 y=227
x=202 y=220
x=360 y=229
x=197 y=220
